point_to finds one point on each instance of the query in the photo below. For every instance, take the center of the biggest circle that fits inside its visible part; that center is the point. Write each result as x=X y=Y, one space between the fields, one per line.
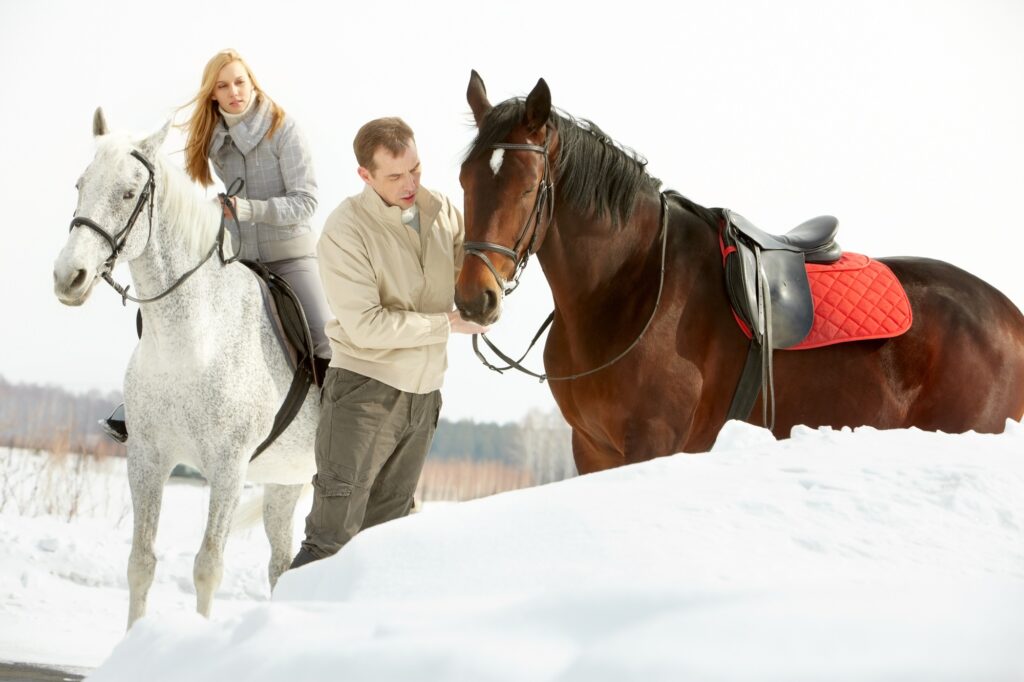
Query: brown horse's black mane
x=595 y=173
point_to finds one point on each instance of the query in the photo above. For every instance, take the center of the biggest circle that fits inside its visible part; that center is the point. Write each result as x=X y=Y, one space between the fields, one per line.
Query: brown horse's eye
x=129 y=195
x=528 y=192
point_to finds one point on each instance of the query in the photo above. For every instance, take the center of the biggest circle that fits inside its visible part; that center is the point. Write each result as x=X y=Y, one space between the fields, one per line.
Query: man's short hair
x=392 y=133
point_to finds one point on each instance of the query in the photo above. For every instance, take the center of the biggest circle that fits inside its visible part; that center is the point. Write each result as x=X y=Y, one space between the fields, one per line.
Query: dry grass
x=457 y=480
x=62 y=484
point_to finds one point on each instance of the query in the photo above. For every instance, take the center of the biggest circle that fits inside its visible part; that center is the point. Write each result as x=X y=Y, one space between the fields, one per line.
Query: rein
x=516 y=364
x=117 y=242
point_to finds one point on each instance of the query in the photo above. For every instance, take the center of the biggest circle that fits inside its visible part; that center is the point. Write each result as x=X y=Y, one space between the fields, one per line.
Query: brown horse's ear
x=477 y=96
x=538 y=107
x=99 y=123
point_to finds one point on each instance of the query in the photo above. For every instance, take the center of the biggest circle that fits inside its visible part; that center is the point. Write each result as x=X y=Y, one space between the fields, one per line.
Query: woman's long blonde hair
x=205 y=116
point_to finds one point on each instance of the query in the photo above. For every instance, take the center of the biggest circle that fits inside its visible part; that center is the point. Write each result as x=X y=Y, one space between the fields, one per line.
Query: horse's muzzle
x=72 y=287
x=482 y=307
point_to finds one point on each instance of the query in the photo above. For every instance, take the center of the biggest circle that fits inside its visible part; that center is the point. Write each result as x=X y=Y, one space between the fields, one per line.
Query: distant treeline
x=50 y=418
x=54 y=419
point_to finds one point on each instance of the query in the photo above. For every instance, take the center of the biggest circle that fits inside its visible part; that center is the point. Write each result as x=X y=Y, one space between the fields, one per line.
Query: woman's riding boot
x=114 y=425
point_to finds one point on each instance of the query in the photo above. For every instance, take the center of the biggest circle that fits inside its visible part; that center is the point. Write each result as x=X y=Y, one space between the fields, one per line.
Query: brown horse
x=660 y=354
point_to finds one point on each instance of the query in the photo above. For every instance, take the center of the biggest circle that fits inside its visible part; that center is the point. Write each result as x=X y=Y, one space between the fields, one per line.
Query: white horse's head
x=112 y=220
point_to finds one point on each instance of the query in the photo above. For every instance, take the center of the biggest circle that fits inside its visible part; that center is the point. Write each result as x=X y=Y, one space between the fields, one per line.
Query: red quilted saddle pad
x=855 y=298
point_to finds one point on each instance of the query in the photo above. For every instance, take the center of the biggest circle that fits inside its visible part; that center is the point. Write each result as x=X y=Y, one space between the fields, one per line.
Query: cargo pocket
x=330 y=502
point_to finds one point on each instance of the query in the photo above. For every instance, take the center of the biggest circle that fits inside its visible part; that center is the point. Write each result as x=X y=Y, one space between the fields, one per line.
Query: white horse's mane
x=190 y=218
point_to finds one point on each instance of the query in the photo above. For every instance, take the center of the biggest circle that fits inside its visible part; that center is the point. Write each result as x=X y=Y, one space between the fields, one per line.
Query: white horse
x=208 y=375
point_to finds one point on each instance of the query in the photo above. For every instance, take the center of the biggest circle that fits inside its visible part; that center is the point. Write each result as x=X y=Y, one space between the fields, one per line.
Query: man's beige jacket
x=390 y=288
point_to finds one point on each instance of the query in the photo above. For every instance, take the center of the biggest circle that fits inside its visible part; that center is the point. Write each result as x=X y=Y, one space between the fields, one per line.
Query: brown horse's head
x=507 y=184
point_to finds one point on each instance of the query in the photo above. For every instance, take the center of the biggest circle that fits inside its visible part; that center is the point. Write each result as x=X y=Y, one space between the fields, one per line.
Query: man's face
x=395 y=178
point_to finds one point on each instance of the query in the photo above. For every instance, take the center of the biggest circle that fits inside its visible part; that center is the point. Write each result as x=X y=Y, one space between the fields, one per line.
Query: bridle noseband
x=545 y=198
x=117 y=242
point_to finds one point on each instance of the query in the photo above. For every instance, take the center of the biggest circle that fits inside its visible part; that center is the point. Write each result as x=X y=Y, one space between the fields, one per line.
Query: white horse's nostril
x=79 y=279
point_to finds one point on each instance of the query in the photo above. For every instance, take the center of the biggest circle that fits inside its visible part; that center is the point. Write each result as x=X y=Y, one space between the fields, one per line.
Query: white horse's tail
x=250 y=512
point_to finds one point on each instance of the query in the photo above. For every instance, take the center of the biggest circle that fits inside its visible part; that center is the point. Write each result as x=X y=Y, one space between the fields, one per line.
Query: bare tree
x=546 y=444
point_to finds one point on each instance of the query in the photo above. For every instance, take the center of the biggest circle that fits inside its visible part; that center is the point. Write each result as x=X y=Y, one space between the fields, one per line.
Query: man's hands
x=461 y=326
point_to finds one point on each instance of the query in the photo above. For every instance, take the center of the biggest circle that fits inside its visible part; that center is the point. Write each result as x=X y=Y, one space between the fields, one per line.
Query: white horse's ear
x=153 y=143
x=99 y=123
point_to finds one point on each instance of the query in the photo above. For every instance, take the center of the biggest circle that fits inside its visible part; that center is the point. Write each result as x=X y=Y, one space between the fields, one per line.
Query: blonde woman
x=242 y=133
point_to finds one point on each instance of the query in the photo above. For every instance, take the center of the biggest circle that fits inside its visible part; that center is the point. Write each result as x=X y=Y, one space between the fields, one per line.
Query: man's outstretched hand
x=461 y=326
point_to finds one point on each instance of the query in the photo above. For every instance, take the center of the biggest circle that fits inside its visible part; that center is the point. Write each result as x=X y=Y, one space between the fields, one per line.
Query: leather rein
x=117 y=241
x=546 y=197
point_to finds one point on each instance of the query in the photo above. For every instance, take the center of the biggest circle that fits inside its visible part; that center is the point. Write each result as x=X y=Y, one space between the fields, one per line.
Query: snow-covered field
x=831 y=555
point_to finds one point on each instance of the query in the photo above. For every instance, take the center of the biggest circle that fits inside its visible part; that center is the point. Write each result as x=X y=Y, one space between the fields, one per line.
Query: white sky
x=830 y=555
x=901 y=118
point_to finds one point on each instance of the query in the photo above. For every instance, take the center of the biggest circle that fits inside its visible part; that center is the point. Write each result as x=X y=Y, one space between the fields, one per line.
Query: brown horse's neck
x=605 y=283
x=585 y=257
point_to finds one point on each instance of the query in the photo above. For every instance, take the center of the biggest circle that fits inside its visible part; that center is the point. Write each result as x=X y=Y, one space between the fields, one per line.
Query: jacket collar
x=429 y=205
x=248 y=132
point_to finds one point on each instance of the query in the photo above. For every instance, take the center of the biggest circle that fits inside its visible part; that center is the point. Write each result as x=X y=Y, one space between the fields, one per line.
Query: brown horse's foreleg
x=591 y=457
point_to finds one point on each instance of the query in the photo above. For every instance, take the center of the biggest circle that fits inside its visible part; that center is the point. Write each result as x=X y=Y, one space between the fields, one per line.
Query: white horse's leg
x=208 y=570
x=146 y=478
x=278 y=512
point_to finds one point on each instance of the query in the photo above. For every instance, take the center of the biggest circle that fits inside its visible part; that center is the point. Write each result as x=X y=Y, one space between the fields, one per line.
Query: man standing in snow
x=389 y=258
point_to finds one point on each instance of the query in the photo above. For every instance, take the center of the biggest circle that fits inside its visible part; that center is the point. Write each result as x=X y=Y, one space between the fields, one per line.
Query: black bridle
x=517 y=364
x=545 y=198
x=117 y=242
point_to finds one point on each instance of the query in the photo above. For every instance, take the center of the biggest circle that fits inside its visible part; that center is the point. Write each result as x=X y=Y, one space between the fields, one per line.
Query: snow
x=839 y=555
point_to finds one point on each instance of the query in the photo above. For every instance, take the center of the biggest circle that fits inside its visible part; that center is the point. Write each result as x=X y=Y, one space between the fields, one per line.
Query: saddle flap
x=288 y=320
x=792 y=307
x=792 y=313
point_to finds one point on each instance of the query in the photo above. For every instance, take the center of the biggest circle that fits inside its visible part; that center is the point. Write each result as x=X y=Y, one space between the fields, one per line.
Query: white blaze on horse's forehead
x=496 y=158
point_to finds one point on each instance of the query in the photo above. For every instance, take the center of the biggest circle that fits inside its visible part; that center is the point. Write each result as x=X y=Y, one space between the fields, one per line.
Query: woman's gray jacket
x=279 y=184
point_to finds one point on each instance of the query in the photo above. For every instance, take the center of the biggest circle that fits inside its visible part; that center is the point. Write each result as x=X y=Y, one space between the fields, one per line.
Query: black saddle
x=776 y=263
x=292 y=329
x=815 y=238
x=768 y=288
